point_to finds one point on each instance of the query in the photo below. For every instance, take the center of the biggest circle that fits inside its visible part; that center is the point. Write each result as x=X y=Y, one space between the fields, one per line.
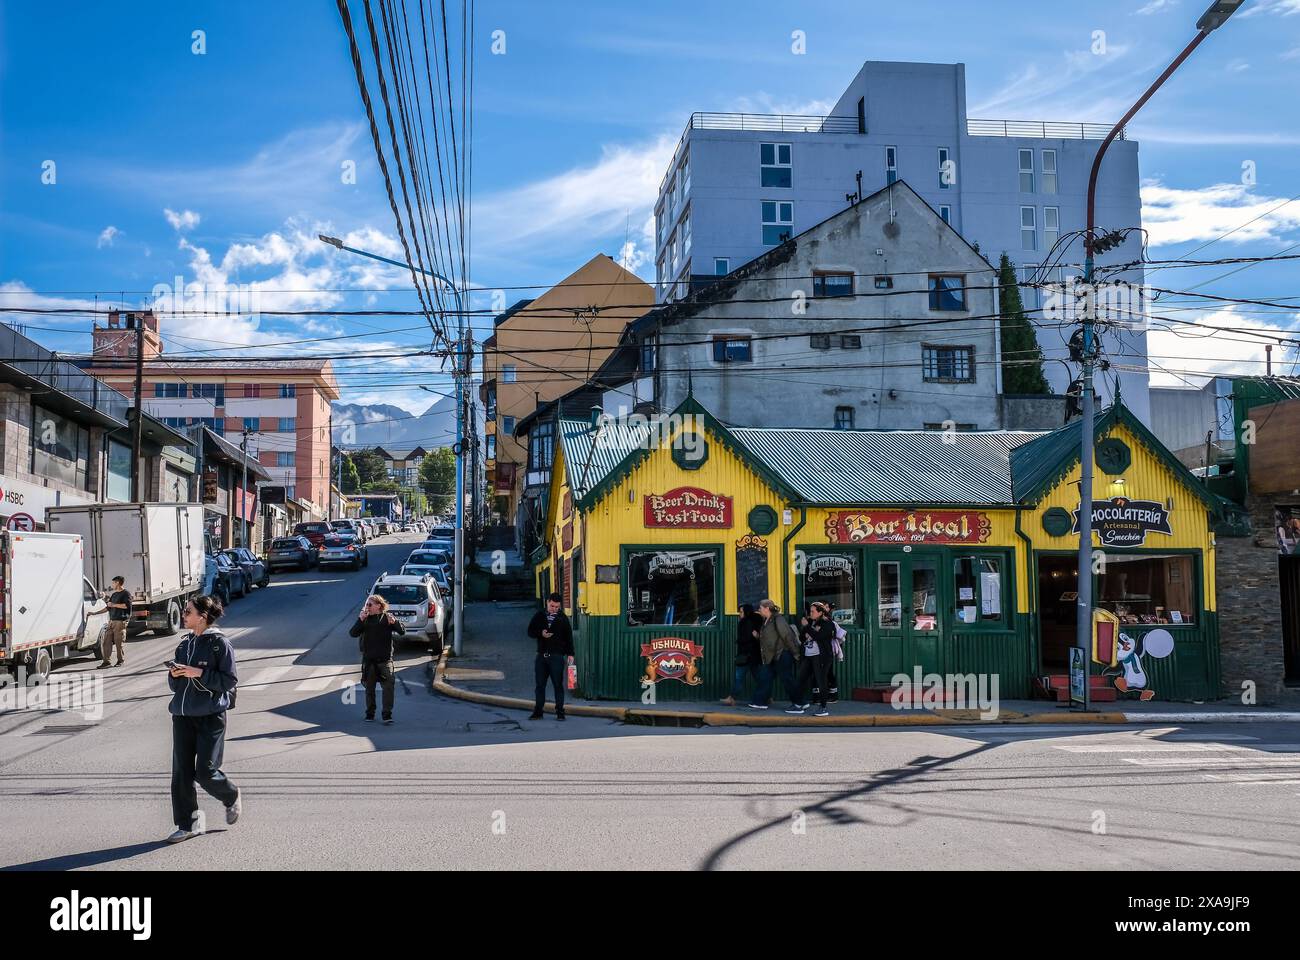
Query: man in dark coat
x=554 y=636
x=376 y=628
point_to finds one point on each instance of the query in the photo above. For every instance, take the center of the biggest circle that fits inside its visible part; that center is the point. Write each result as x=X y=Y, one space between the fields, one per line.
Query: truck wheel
x=173 y=621
x=39 y=667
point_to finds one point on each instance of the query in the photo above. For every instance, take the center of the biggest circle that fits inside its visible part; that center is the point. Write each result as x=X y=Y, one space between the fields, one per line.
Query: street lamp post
x=1211 y=20
x=458 y=573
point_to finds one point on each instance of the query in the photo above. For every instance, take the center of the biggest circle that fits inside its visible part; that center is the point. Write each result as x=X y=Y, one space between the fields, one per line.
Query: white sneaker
x=180 y=835
x=235 y=809
x=805 y=706
x=822 y=712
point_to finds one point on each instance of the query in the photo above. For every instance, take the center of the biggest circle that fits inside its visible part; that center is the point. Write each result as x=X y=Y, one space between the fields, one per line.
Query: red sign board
x=687 y=508
x=672 y=658
x=908 y=526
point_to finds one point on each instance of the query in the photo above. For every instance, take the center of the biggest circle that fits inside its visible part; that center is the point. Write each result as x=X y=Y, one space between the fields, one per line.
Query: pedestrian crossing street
x=1239 y=759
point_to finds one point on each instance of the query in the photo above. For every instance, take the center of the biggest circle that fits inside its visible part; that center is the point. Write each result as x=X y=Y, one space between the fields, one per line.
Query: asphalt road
x=457 y=786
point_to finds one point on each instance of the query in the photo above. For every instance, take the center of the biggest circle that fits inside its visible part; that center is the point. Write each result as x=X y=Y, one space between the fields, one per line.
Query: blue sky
x=223 y=167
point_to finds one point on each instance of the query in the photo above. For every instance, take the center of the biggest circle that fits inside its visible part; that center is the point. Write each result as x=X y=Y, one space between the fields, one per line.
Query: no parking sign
x=24 y=522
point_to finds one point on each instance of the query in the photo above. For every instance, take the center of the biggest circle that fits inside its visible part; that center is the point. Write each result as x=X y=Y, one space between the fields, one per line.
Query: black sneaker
x=369 y=717
x=560 y=716
x=535 y=715
x=388 y=721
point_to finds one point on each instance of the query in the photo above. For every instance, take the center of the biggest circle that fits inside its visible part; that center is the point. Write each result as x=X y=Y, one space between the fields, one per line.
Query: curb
x=938 y=718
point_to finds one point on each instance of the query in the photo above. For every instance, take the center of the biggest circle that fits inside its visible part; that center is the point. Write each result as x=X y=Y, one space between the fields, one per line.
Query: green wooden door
x=904 y=614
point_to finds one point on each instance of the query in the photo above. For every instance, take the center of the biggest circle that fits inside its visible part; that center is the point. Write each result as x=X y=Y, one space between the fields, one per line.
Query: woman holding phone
x=202 y=679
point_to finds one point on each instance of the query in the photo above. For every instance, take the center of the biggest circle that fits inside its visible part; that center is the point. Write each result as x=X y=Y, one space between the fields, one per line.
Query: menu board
x=751 y=570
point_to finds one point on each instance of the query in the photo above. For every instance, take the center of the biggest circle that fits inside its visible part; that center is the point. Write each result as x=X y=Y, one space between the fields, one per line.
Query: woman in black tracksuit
x=815 y=636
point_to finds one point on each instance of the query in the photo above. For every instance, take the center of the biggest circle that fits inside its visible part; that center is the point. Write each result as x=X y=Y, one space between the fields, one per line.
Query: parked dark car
x=314 y=530
x=232 y=582
x=297 y=552
x=257 y=570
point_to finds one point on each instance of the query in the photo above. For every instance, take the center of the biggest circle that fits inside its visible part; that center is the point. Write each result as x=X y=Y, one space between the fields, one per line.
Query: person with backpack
x=203 y=681
x=816 y=637
x=375 y=629
x=838 y=649
x=749 y=658
x=777 y=644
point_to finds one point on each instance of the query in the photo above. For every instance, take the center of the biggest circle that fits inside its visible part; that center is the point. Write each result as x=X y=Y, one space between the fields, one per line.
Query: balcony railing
x=30 y=360
x=1048 y=129
x=773 y=123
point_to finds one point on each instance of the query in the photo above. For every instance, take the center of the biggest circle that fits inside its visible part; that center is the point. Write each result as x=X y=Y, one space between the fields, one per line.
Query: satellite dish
x=891 y=230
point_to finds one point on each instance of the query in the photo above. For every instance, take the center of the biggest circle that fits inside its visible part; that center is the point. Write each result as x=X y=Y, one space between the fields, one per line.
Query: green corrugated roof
x=1039 y=465
x=1263 y=390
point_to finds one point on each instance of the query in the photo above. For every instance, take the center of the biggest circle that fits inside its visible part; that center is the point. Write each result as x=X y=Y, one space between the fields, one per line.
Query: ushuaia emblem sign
x=688 y=508
x=1120 y=522
x=672 y=658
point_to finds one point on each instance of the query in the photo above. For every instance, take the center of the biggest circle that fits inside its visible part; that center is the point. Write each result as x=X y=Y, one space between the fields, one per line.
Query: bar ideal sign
x=908 y=526
x=688 y=508
x=1121 y=522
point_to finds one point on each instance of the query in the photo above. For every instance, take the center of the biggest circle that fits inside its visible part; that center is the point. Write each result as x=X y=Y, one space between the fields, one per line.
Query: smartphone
x=170 y=664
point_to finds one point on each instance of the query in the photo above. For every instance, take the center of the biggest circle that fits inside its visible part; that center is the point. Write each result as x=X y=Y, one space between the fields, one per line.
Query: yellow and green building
x=951 y=552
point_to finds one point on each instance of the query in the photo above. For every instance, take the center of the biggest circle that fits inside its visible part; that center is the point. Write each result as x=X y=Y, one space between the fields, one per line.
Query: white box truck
x=48 y=610
x=156 y=547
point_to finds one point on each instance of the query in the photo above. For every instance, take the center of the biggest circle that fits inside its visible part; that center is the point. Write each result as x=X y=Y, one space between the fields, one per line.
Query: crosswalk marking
x=323 y=677
x=265 y=677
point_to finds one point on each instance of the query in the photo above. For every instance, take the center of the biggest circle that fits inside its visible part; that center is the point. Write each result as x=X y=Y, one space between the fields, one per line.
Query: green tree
x=371 y=468
x=438 y=479
x=1022 y=358
x=347 y=478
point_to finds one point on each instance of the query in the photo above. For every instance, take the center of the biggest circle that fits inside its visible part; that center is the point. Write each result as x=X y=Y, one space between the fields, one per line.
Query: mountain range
x=382 y=424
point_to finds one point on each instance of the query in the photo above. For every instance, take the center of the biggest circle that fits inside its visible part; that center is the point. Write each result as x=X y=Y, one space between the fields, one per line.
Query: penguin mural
x=1157 y=643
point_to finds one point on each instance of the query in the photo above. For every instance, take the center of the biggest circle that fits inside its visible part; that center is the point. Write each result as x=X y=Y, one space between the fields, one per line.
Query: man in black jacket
x=554 y=636
x=376 y=628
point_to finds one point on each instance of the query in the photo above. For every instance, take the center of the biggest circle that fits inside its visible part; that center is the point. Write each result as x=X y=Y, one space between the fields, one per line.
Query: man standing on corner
x=554 y=636
x=375 y=628
x=119 y=614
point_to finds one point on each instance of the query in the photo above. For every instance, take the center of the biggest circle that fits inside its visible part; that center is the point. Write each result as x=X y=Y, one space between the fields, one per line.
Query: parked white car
x=418 y=603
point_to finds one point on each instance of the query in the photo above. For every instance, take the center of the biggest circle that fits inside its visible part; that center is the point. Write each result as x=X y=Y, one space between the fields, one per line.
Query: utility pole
x=137 y=432
x=1211 y=20
x=243 y=492
x=1268 y=359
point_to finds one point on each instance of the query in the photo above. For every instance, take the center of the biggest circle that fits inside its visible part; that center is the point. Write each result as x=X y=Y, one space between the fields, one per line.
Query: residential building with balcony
x=739 y=184
x=282 y=405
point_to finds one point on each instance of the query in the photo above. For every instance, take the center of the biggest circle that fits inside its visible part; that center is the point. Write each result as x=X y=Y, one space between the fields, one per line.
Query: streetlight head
x=1218 y=14
x=332 y=241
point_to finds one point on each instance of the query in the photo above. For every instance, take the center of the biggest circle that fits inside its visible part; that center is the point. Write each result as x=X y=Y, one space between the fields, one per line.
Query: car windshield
x=404 y=593
x=313 y=528
x=430 y=557
x=338 y=541
x=341 y=525
x=285 y=545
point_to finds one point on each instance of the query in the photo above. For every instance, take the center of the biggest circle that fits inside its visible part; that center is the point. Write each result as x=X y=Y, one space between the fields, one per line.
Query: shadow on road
x=89 y=858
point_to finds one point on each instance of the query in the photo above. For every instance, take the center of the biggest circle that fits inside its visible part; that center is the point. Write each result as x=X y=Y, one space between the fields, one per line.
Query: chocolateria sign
x=908 y=526
x=687 y=508
x=1120 y=522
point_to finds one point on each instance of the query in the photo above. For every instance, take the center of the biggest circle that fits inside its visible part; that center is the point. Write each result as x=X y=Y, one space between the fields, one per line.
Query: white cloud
x=571 y=209
x=107 y=236
x=1173 y=215
x=1284 y=8
x=766 y=103
x=185 y=220
x=1155 y=6
x=1179 y=347
x=1080 y=86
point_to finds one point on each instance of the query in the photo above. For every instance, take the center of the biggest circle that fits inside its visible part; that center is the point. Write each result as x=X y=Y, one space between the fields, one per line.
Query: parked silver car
x=418 y=603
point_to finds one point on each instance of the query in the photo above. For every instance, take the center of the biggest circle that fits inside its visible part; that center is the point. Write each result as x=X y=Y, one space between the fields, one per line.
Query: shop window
x=667 y=587
x=833 y=579
x=1148 y=588
x=60 y=448
x=978 y=585
x=119 y=472
x=889 y=606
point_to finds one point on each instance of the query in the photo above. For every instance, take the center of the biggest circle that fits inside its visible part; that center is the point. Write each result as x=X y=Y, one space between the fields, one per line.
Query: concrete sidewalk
x=496 y=667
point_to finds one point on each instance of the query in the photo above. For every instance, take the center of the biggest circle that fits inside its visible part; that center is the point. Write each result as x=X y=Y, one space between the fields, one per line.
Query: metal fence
x=1039 y=128
x=773 y=123
x=31 y=360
